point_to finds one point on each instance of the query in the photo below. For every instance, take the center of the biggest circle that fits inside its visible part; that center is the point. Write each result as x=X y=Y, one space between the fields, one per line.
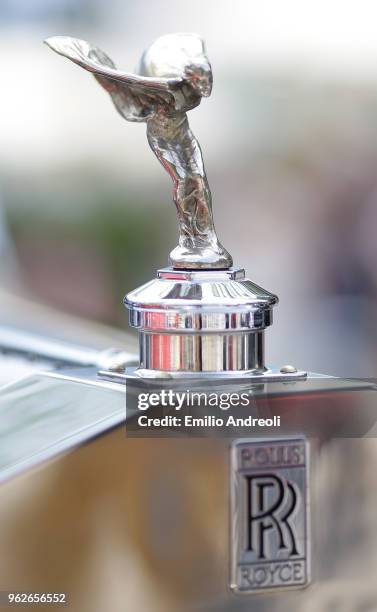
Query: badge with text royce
x=269 y=515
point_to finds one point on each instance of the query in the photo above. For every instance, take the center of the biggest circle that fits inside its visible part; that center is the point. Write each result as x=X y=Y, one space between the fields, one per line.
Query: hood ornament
x=173 y=76
x=200 y=316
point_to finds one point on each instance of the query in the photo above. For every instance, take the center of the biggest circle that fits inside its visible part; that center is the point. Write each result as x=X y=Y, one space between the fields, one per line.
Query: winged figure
x=173 y=76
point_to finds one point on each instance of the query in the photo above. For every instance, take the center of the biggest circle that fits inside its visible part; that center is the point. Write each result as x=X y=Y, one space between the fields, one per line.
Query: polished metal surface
x=288 y=369
x=202 y=352
x=33 y=346
x=174 y=75
x=226 y=377
x=201 y=321
x=270 y=530
x=50 y=412
x=200 y=301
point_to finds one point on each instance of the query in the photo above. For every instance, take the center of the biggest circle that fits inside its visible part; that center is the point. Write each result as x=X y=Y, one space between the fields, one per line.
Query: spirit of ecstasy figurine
x=200 y=316
x=173 y=76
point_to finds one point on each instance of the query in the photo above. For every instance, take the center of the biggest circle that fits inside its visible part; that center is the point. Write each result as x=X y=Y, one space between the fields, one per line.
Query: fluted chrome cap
x=201 y=321
x=193 y=301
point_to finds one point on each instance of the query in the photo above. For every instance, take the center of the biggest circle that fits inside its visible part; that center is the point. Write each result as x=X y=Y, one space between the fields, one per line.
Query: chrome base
x=202 y=352
x=201 y=322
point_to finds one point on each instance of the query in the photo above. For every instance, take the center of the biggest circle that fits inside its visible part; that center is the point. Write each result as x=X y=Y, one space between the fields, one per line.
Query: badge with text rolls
x=269 y=515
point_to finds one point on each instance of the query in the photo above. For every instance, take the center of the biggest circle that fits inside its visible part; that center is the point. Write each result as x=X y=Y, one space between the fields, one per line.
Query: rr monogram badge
x=269 y=515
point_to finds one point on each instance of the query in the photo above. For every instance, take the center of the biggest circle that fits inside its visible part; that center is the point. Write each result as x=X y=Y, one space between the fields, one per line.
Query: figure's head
x=179 y=55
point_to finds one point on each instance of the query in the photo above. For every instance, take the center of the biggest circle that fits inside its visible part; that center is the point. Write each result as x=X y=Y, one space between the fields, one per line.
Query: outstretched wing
x=135 y=97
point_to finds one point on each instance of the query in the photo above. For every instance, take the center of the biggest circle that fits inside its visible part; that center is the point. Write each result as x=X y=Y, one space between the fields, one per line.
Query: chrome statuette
x=201 y=315
x=173 y=76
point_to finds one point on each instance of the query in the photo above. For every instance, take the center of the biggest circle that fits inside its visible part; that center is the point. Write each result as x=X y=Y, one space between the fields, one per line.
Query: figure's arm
x=135 y=97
